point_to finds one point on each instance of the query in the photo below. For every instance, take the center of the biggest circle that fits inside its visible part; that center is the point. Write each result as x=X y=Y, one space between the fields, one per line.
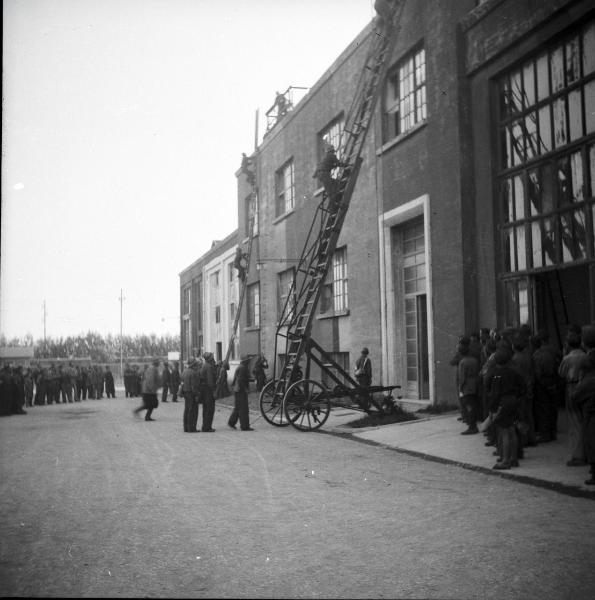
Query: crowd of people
x=40 y=385
x=511 y=384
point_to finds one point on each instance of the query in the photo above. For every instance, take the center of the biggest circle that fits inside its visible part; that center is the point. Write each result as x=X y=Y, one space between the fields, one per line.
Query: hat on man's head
x=207 y=355
x=244 y=357
x=365 y=351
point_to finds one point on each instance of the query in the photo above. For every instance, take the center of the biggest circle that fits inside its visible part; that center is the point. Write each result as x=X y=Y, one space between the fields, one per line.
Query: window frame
x=285 y=194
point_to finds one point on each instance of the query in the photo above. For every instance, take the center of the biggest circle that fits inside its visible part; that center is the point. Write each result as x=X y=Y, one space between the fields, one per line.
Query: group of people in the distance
x=42 y=385
x=511 y=384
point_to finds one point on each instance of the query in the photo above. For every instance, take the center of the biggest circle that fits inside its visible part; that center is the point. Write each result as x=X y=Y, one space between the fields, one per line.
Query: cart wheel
x=307 y=405
x=271 y=404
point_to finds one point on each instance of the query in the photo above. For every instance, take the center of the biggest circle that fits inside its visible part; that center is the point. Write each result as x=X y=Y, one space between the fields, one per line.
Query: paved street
x=96 y=502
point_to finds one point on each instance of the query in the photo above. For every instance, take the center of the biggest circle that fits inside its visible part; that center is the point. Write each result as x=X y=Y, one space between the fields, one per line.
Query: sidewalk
x=438 y=438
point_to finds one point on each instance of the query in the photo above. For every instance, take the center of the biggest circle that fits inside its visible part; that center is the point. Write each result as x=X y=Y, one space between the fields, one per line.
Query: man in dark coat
x=547 y=388
x=208 y=384
x=259 y=372
x=108 y=378
x=190 y=392
x=240 y=386
x=324 y=171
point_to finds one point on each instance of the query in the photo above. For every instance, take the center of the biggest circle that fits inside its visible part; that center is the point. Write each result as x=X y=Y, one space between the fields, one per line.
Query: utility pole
x=44 y=316
x=121 y=340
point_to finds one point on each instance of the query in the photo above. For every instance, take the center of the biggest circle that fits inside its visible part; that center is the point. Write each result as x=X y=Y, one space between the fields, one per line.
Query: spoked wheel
x=271 y=404
x=307 y=405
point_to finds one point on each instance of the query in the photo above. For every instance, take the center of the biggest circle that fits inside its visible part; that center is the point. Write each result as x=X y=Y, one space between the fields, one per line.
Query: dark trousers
x=546 y=413
x=190 y=412
x=66 y=392
x=164 y=393
x=208 y=407
x=149 y=404
x=110 y=390
x=470 y=407
x=240 y=411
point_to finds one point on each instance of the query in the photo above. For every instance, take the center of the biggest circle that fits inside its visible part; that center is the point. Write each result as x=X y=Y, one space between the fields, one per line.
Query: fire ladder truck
x=292 y=396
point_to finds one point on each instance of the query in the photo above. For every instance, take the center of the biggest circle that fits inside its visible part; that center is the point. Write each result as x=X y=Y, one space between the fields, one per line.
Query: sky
x=123 y=124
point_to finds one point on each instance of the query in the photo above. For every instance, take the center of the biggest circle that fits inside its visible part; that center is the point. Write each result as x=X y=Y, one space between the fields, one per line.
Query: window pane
x=574 y=239
x=536 y=241
x=592 y=169
x=516 y=92
x=518 y=149
x=506 y=154
x=509 y=253
x=521 y=248
x=590 y=106
x=589 y=49
x=531 y=135
x=560 y=136
x=557 y=69
x=534 y=192
x=545 y=130
x=564 y=188
x=548 y=242
x=523 y=303
x=572 y=61
x=575 y=115
x=507 y=201
x=529 y=84
x=519 y=198
x=543 y=81
x=576 y=174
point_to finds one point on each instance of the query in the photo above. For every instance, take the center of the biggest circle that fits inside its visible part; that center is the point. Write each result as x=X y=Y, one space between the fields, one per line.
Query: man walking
x=165 y=381
x=175 y=382
x=150 y=385
x=240 y=387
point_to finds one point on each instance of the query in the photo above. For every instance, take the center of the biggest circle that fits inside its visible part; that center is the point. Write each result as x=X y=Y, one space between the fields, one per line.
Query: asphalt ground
x=97 y=503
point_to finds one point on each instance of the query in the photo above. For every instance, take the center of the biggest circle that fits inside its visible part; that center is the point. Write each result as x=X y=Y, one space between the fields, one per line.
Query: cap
x=365 y=351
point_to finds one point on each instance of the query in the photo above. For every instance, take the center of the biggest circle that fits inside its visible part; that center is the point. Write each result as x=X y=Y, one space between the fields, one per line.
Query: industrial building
x=473 y=207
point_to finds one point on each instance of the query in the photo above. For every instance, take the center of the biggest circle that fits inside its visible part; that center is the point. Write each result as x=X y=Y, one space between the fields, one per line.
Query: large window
x=334 y=294
x=547 y=158
x=186 y=301
x=284 y=289
x=285 y=190
x=405 y=98
x=253 y=305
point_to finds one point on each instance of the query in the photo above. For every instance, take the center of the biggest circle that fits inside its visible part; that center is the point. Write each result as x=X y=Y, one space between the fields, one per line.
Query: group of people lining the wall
x=39 y=385
x=512 y=383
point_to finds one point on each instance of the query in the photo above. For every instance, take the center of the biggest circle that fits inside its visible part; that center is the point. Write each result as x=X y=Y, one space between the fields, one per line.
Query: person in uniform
x=208 y=385
x=240 y=386
x=324 y=172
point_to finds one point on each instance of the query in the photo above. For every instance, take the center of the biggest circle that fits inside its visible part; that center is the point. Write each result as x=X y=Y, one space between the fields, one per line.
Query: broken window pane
x=575 y=115
x=572 y=61
x=560 y=136
x=576 y=173
x=557 y=69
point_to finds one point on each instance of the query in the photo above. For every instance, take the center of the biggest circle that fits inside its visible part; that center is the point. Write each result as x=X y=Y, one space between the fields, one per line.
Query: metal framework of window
x=405 y=100
x=285 y=189
x=335 y=297
x=253 y=305
x=546 y=133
